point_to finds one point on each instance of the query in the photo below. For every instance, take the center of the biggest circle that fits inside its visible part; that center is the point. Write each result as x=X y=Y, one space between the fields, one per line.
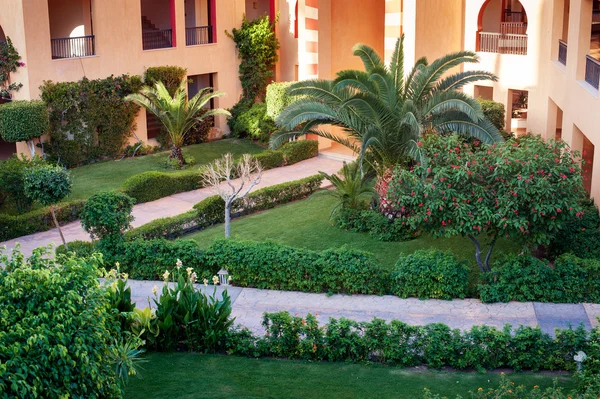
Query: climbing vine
x=9 y=62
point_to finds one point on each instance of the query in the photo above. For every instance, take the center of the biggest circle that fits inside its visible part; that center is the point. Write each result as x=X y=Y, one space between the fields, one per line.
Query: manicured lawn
x=306 y=224
x=184 y=375
x=90 y=179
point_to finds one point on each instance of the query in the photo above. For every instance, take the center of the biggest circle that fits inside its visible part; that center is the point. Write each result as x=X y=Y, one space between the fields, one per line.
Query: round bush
x=430 y=274
x=107 y=213
x=47 y=184
x=23 y=120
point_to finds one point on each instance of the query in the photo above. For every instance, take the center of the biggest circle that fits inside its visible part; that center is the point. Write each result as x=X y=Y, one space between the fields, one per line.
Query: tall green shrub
x=493 y=112
x=170 y=76
x=278 y=98
x=23 y=121
x=107 y=214
x=12 y=182
x=254 y=123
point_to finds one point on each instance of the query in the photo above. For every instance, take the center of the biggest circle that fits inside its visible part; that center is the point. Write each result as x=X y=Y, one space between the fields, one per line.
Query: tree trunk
x=227 y=220
x=62 y=237
x=478 y=254
x=489 y=254
x=177 y=154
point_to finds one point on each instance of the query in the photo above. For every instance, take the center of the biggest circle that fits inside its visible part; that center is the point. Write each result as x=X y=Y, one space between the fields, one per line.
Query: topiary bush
x=82 y=249
x=430 y=274
x=296 y=151
x=270 y=159
x=152 y=185
x=107 y=215
x=23 y=121
x=278 y=98
x=254 y=123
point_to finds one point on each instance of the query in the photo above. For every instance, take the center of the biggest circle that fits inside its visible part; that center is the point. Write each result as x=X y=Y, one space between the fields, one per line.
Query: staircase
x=154 y=38
x=147 y=24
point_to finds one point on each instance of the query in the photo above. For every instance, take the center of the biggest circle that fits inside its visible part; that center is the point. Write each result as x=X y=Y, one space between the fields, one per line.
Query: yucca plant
x=352 y=189
x=385 y=112
x=176 y=113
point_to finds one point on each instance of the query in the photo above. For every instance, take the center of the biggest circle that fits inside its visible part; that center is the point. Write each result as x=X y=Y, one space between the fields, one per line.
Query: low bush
x=12 y=182
x=170 y=76
x=153 y=185
x=23 y=121
x=581 y=236
x=430 y=274
x=377 y=225
x=238 y=109
x=268 y=265
x=254 y=123
x=82 y=249
x=38 y=220
x=169 y=227
x=270 y=159
x=296 y=151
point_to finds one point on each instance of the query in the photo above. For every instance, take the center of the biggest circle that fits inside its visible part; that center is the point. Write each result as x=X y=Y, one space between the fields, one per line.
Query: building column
x=393 y=26
x=308 y=43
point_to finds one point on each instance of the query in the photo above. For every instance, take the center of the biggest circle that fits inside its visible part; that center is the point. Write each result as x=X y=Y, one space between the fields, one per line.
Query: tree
x=526 y=189
x=384 y=112
x=222 y=175
x=107 y=215
x=177 y=114
x=48 y=185
x=24 y=121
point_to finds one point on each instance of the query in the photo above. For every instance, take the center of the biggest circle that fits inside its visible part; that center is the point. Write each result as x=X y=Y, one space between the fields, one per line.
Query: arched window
x=502 y=27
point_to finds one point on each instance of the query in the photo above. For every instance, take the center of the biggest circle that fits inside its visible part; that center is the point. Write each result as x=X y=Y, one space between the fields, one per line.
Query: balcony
x=73 y=47
x=562 y=52
x=157 y=39
x=592 y=71
x=198 y=35
x=503 y=43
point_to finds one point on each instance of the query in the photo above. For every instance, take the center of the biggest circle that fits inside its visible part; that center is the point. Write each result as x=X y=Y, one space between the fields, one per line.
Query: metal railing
x=562 y=52
x=513 y=28
x=592 y=71
x=198 y=35
x=155 y=39
x=492 y=42
x=73 y=47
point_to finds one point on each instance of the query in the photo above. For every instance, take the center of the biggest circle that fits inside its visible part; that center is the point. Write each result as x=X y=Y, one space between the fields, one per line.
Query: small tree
x=527 y=188
x=232 y=180
x=24 y=121
x=9 y=62
x=48 y=185
x=107 y=215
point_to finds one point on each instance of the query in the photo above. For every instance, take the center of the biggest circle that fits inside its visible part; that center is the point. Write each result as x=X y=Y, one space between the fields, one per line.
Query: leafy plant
x=107 y=214
x=23 y=121
x=254 y=123
x=278 y=98
x=177 y=115
x=12 y=182
x=352 y=189
x=493 y=112
x=170 y=76
x=9 y=62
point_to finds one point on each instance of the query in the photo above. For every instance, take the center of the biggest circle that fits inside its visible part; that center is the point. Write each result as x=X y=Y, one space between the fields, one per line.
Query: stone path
x=249 y=304
x=176 y=204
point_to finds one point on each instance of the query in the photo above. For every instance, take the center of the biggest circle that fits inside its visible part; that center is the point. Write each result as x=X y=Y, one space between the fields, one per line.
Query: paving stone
x=551 y=316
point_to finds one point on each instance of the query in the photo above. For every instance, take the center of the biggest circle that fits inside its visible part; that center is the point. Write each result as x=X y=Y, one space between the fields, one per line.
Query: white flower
x=193 y=277
x=166 y=275
x=189 y=270
x=215 y=280
x=229 y=279
x=179 y=263
x=117 y=264
x=205 y=281
x=154 y=290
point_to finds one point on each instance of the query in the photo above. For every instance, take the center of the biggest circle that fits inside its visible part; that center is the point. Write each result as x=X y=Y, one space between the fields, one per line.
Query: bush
x=379 y=227
x=296 y=151
x=581 y=236
x=169 y=227
x=170 y=76
x=38 y=220
x=278 y=98
x=107 y=214
x=493 y=112
x=153 y=185
x=12 y=182
x=430 y=274
x=47 y=184
x=23 y=120
x=254 y=123
x=236 y=111
x=55 y=329
x=83 y=249
x=272 y=266
x=270 y=159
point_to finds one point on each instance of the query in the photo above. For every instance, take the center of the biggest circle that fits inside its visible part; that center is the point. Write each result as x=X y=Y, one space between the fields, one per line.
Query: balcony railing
x=72 y=47
x=513 y=28
x=155 y=39
x=562 y=52
x=198 y=35
x=592 y=71
x=492 y=42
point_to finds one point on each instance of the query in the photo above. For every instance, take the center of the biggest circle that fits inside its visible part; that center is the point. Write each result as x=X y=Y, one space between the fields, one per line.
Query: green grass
x=306 y=224
x=89 y=179
x=185 y=375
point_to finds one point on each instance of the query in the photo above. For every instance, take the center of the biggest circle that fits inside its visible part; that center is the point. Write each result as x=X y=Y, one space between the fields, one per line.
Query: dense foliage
x=170 y=76
x=526 y=189
x=257 y=45
x=493 y=112
x=89 y=119
x=47 y=184
x=12 y=182
x=300 y=150
x=278 y=98
x=377 y=225
x=254 y=123
x=581 y=236
x=430 y=274
x=23 y=121
x=107 y=214
x=56 y=333
x=9 y=62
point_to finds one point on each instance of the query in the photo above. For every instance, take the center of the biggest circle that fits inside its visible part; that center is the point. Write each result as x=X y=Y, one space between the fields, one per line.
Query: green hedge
x=270 y=159
x=267 y=265
x=377 y=225
x=277 y=98
x=211 y=210
x=23 y=120
x=430 y=274
x=37 y=220
x=170 y=76
x=254 y=123
x=296 y=151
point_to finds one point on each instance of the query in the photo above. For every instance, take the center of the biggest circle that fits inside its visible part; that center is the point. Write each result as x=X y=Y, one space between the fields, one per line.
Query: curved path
x=175 y=204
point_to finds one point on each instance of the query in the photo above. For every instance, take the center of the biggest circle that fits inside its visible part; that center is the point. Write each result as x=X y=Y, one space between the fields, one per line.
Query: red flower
x=419 y=144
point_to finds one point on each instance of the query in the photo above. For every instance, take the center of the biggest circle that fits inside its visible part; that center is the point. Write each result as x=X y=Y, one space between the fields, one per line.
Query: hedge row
x=13 y=226
x=211 y=210
x=150 y=186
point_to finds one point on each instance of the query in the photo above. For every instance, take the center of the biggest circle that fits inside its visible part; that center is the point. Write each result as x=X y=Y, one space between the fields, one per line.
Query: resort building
x=546 y=53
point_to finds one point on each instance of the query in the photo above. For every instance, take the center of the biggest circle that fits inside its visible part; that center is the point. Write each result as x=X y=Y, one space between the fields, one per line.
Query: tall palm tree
x=384 y=112
x=177 y=115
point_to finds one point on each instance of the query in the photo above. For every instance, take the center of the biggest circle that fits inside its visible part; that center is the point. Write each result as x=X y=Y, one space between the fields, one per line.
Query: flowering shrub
x=526 y=189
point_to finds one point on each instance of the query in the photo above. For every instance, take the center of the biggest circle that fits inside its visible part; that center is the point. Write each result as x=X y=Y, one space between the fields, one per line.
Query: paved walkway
x=176 y=204
x=249 y=304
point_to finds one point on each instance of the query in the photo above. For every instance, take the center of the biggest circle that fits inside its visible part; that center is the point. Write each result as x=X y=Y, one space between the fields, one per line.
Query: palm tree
x=177 y=115
x=384 y=112
x=352 y=188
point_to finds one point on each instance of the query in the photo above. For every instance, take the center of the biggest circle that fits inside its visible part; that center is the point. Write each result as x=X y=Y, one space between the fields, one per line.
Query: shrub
x=12 y=182
x=107 y=214
x=296 y=151
x=581 y=236
x=23 y=121
x=430 y=274
x=47 y=184
x=170 y=76
x=9 y=62
x=38 y=220
x=153 y=185
x=236 y=111
x=270 y=159
x=578 y=279
x=82 y=249
x=55 y=329
x=379 y=227
x=254 y=123
x=493 y=112
x=169 y=227
x=272 y=266
x=278 y=98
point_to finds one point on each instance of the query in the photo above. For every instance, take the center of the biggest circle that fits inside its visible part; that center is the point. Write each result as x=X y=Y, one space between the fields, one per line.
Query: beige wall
x=66 y=15
x=257 y=8
x=158 y=12
x=288 y=53
x=492 y=15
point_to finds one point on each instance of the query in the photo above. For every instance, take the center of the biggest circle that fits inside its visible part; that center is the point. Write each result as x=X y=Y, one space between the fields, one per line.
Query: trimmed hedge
x=430 y=274
x=296 y=151
x=278 y=98
x=38 y=220
x=270 y=159
x=211 y=210
x=23 y=120
x=268 y=265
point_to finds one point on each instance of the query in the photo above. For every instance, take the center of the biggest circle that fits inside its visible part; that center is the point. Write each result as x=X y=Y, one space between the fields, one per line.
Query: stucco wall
x=158 y=12
x=257 y=8
x=67 y=15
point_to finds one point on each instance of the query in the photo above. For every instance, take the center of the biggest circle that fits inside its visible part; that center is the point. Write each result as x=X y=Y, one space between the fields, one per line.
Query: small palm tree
x=177 y=115
x=384 y=112
x=353 y=189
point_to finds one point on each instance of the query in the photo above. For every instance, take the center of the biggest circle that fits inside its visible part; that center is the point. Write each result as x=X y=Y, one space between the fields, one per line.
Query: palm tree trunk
x=177 y=154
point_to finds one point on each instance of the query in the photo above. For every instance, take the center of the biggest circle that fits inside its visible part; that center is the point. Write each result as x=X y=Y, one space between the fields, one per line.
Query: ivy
x=9 y=62
x=257 y=47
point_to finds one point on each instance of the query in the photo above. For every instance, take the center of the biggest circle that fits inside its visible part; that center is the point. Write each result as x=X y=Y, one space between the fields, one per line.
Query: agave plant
x=352 y=188
x=384 y=112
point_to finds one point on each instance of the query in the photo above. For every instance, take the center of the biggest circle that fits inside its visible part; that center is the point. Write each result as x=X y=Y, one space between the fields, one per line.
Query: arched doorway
x=502 y=27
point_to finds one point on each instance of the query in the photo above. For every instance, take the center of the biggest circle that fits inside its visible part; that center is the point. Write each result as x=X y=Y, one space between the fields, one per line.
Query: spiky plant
x=352 y=188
